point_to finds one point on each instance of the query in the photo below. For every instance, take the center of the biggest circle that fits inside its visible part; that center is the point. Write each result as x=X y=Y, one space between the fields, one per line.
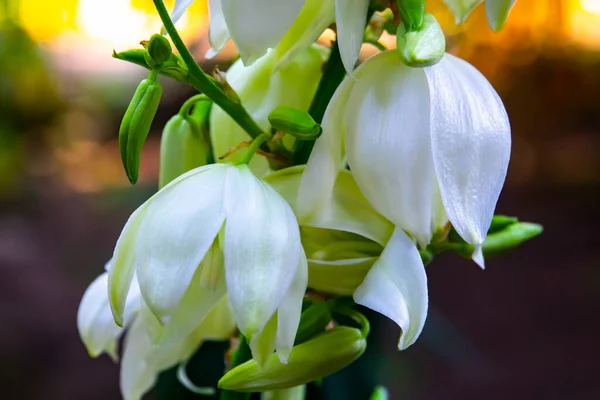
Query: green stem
x=189 y=103
x=201 y=82
x=256 y=143
x=357 y=317
x=241 y=355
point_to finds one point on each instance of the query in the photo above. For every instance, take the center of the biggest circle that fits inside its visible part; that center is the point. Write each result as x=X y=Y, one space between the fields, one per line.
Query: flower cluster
x=409 y=155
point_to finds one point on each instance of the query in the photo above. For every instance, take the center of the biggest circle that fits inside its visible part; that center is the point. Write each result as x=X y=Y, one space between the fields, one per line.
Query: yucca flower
x=425 y=145
x=213 y=231
x=142 y=359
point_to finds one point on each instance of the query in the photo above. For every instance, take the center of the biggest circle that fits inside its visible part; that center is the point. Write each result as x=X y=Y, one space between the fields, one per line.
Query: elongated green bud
x=136 y=124
x=412 y=13
x=510 y=237
x=321 y=356
x=423 y=47
x=313 y=321
x=296 y=122
x=174 y=67
x=158 y=50
x=499 y=222
x=182 y=148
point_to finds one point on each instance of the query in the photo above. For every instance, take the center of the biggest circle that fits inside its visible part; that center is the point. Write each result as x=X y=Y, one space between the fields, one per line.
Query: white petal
x=288 y=314
x=497 y=12
x=388 y=145
x=218 y=34
x=121 y=272
x=314 y=18
x=351 y=19
x=462 y=8
x=257 y=25
x=180 y=7
x=470 y=136
x=179 y=227
x=96 y=325
x=325 y=160
x=262 y=249
x=396 y=287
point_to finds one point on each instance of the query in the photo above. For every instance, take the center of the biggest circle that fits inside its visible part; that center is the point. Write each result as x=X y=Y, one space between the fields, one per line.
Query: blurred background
x=522 y=329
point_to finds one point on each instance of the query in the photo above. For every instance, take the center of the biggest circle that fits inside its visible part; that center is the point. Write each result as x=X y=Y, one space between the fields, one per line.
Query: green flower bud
x=412 y=13
x=158 y=50
x=499 y=222
x=313 y=321
x=183 y=147
x=296 y=122
x=136 y=124
x=510 y=237
x=174 y=67
x=423 y=47
x=321 y=356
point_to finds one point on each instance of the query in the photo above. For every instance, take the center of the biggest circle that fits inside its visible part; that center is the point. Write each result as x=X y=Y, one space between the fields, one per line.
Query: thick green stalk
x=200 y=81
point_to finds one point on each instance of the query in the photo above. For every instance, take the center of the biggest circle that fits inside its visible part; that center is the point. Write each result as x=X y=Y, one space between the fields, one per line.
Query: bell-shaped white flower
x=496 y=10
x=142 y=360
x=262 y=87
x=392 y=283
x=286 y=26
x=214 y=230
x=423 y=144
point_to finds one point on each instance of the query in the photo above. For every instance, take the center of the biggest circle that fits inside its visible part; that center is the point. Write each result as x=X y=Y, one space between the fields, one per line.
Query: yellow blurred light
x=590 y=6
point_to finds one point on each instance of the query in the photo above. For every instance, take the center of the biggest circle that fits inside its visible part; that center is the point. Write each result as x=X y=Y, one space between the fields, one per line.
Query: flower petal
x=179 y=227
x=180 y=8
x=462 y=8
x=497 y=12
x=262 y=249
x=338 y=277
x=387 y=142
x=325 y=160
x=255 y=26
x=470 y=135
x=396 y=287
x=314 y=18
x=121 y=272
x=218 y=34
x=288 y=314
x=350 y=21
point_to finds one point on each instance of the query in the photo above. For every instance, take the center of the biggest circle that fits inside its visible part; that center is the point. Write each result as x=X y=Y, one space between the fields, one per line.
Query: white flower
x=290 y=25
x=142 y=359
x=495 y=10
x=421 y=143
x=393 y=284
x=262 y=87
x=175 y=243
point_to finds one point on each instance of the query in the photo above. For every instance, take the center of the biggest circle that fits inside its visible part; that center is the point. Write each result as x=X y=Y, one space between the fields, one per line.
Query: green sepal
x=296 y=122
x=321 y=356
x=136 y=123
x=174 y=67
x=412 y=13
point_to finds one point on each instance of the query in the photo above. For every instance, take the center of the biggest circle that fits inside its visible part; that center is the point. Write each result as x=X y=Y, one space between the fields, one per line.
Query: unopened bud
x=412 y=13
x=499 y=222
x=313 y=321
x=321 y=356
x=183 y=147
x=296 y=122
x=424 y=47
x=510 y=237
x=135 y=125
x=158 y=50
x=174 y=67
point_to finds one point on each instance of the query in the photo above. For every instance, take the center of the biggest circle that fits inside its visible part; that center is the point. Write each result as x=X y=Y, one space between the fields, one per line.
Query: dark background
x=525 y=328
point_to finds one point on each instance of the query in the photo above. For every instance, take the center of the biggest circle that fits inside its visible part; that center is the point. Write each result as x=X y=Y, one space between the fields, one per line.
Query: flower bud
x=174 y=67
x=510 y=237
x=183 y=147
x=312 y=321
x=158 y=50
x=423 y=47
x=136 y=124
x=296 y=122
x=499 y=222
x=325 y=354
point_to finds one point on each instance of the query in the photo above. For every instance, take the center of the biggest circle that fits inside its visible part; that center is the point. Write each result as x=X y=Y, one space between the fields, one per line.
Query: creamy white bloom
x=425 y=145
x=496 y=10
x=142 y=360
x=344 y=239
x=214 y=230
x=262 y=87
x=286 y=26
